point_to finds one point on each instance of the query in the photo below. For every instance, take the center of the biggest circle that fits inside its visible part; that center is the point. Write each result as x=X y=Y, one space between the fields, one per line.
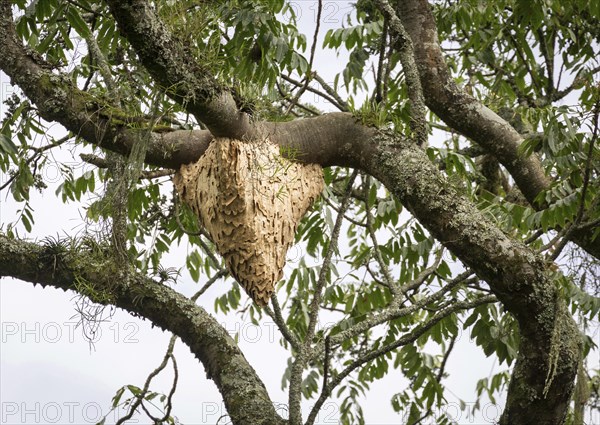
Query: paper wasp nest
x=250 y=200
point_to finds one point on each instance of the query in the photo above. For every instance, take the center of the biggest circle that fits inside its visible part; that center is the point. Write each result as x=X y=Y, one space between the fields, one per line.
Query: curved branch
x=171 y=64
x=244 y=394
x=460 y=110
x=331 y=139
x=408 y=338
x=139 y=398
x=550 y=339
x=467 y=115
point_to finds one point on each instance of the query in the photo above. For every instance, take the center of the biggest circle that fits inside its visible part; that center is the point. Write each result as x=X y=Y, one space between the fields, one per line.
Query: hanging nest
x=250 y=200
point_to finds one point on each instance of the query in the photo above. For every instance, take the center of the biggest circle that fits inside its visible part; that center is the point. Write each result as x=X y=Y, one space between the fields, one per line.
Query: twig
x=407 y=339
x=337 y=209
x=341 y=103
x=586 y=181
x=285 y=96
x=395 y=311
x=388 y=71
x=380 y=65
x=548 y=55
x=303 y=354
x=277 y=317
x=36 y=156
x=87 y=9
x=375 y=278
x=308 y=76
x=315 y=91
x=325 y=267
x=220 y=273
x=589 y=224
x=418 y=281
x=534 y=76
x=103 y=67
x=201 y=232
x=169 y=402
x=588 y=164
x=439 y=377
x=146 y=174
x=389 y=280
x=533 y=237
x=560 y=94
x=140 y=397
x=326 y=362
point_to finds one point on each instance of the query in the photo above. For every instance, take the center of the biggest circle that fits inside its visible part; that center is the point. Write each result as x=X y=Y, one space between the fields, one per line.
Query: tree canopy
x=458 y=141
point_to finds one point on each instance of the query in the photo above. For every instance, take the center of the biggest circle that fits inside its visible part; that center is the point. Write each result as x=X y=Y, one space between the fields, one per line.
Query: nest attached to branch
x=250 y=200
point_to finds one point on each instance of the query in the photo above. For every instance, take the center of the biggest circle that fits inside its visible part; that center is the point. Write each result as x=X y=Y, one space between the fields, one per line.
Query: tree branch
x=468 y=116
x=314 y=140
x=103 y=163
x=277 y=317
x=61 y=266
x=404 y=340
x=404 y=46
x=139 y=398
x=171 y=64
x=303 y=354
x=460 y=110
x=518 y=278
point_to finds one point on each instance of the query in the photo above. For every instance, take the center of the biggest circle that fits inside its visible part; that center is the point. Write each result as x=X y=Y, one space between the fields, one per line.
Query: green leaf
x=117 y=397
x=136 y=391
x=7 y=145
x=77 y=22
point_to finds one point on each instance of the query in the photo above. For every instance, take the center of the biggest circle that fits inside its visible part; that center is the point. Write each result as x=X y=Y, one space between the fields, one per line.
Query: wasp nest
x=250 y=201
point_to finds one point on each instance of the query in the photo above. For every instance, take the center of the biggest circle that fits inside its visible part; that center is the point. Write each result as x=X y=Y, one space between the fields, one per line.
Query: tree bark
x=173 y=66
x=542 y=381
x=470 y=117
x=56 y=265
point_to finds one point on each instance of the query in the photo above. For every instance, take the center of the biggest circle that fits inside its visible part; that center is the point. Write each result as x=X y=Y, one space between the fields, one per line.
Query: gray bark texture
x=53 y=265
x=542 y=381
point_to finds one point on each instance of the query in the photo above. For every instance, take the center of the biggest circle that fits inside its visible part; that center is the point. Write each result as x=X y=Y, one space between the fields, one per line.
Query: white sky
x=50 y=374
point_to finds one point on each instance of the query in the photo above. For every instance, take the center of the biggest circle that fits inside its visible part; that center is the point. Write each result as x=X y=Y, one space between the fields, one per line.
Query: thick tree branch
x=460 y=110
x=170 y=63
x=470 y=117
x=550 y=340
x=332 y=139
x=244 y=394
x=403 y=44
